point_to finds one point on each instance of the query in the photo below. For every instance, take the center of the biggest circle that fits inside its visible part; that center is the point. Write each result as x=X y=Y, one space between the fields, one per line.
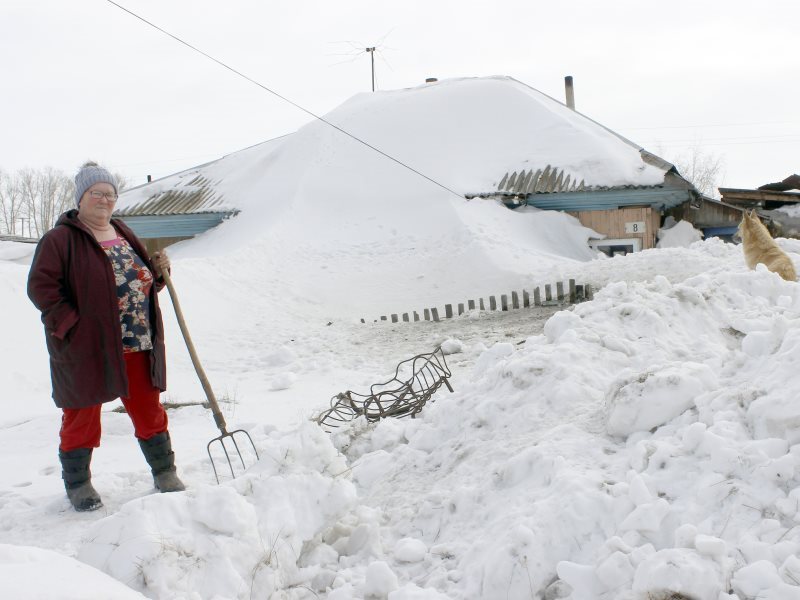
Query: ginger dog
x=759 y=247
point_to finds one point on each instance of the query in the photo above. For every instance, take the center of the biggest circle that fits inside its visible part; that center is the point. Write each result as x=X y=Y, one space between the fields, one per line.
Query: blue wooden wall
x=658 y=198
x=170 y=226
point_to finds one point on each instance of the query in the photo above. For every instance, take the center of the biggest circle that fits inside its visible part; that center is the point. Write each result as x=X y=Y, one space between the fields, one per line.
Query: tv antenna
x=358 y=49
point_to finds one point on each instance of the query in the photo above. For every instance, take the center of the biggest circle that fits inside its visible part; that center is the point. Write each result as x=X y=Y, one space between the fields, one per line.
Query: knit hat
x=89 y=174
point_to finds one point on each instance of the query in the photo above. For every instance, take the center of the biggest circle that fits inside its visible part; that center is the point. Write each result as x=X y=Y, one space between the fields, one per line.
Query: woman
x=96 y=287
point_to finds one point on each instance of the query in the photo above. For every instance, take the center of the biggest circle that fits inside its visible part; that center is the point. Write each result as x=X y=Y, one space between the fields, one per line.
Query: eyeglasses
x=110 y=196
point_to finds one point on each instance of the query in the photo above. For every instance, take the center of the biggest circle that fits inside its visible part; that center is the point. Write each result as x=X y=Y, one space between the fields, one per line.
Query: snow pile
x=254 y=533
x=247 y=163
x=681 y=234
x=21 y=567
x=467 y=133
x=18 y=252
x=418 y=256
x=464 y=134
x=344 y=231
x=792 y=210
x=645 y=444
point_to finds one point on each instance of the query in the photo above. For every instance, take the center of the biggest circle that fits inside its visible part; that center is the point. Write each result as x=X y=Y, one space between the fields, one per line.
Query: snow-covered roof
x=461 y=133
x=200 y=189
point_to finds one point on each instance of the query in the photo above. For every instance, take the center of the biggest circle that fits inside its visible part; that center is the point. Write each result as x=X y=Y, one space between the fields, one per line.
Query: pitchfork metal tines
x=232 y=438
x=415 y=381
x=225 y=435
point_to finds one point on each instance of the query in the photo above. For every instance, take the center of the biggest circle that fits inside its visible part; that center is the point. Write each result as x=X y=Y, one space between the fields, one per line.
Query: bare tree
x=31 y=200
x=12 y=208
x=46 y=193
x=122 y=182
x=703 y=169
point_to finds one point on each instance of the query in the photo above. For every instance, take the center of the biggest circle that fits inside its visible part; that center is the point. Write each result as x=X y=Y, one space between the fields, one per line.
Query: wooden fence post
x=576 y=293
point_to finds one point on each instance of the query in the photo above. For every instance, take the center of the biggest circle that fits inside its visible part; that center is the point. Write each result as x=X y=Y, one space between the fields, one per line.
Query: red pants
x=80 y=427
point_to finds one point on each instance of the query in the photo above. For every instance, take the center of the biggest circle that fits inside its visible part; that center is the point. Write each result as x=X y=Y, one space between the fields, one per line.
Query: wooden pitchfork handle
x=218 y=418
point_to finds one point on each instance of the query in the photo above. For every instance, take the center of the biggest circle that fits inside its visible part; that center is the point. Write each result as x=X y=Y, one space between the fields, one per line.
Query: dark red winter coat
x=72 y=283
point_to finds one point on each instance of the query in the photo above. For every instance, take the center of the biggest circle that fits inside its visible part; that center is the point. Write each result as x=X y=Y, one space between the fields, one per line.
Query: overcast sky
x=85 y=79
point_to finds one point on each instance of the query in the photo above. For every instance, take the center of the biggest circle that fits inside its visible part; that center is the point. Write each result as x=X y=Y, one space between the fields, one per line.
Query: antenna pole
x=372 y=60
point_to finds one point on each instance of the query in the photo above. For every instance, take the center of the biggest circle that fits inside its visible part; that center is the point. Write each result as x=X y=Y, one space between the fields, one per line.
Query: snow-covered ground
x=642 y=445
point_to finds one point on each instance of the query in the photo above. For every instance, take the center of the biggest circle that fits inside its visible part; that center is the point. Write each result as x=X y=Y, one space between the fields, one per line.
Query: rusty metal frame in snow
x=415 y=381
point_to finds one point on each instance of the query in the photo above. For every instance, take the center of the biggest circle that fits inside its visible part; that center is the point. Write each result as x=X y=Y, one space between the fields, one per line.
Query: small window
x=619 y=247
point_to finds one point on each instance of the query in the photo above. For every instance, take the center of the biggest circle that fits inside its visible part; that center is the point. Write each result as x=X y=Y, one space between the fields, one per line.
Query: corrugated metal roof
x=749 y=197
x=553 y=180
x=198 y=195
x=553 y=188
x=547 y=180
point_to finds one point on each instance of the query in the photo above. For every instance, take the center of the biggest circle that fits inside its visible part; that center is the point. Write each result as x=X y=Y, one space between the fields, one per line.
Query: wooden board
x=612 y=223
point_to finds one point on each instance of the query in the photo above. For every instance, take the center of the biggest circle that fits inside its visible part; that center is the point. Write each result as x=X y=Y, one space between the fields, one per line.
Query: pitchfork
x=218 y=418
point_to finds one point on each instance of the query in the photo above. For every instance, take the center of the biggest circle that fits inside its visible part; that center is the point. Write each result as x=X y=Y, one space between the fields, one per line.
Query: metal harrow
x=415 y=381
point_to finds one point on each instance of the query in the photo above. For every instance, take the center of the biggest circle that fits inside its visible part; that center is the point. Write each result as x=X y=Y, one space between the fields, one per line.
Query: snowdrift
x=645 y=444
x=323 y=213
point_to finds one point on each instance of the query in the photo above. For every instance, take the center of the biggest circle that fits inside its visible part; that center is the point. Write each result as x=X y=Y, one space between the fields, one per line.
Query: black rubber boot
x=78 y=479
x=158 y=452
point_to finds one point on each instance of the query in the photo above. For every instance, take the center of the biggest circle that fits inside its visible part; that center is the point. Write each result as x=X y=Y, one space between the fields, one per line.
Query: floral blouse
x=134 y=281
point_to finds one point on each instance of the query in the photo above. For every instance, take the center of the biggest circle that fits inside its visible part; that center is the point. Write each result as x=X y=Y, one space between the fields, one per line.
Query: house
x=502 y=140
x=714 y=218
x=629 y=215
x=628 y=212
x=778 y=204
x=180 y=212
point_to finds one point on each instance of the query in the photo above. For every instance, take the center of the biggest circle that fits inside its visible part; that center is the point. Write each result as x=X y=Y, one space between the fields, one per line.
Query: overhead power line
x=284 y=98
